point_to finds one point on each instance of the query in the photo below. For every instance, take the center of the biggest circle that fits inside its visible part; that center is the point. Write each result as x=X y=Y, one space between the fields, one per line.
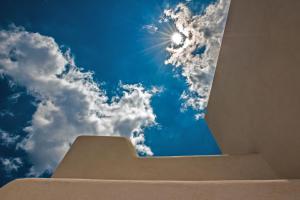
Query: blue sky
x=111 y=39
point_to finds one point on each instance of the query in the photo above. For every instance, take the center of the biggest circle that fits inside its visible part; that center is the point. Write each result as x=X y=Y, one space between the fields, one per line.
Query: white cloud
x=151 y=28
x=70 y=103
x=4 y=113
x=7 y=139
x=15 y=97
x=11 y=164
x=199 y=31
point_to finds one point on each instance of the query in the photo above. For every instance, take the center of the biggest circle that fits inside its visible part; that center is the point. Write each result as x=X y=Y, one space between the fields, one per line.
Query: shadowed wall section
x=254 y=102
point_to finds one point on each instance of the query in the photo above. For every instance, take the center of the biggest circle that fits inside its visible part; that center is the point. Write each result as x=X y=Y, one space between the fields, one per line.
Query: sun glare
x=176 y=38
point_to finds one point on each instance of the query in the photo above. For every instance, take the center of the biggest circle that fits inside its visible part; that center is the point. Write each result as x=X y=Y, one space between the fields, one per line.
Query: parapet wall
x=74 y=189
x=114 y=158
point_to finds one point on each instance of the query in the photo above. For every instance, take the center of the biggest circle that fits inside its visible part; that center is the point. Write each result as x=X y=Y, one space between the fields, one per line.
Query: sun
x=176 y=38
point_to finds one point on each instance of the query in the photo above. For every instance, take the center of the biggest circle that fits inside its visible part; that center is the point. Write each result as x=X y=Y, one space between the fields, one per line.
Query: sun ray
x=156 y=46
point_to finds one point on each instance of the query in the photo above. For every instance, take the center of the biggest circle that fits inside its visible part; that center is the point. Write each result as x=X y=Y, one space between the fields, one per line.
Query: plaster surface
x=254 y=102
x=74 y=189
x=114 y=158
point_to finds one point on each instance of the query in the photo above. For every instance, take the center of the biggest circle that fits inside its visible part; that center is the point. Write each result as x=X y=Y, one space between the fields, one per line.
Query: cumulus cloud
x=70 y=102
x=11 y=164
x=197 y=55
